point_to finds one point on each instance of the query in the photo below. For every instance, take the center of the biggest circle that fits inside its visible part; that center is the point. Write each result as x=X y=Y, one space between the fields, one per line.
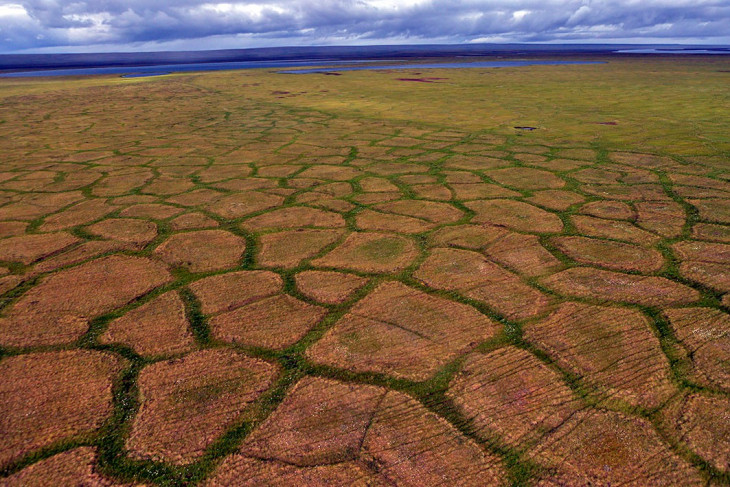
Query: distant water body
x=331 y=66
x=725 y=51
x=476 y=64
x=160 y=69
x=136 y=64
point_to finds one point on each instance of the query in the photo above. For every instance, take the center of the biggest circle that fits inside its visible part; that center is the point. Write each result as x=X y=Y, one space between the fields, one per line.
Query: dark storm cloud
x=40 y=23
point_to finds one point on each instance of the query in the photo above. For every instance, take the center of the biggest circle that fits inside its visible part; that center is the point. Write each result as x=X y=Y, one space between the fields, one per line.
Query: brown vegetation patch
x=431 y=191
x=414 y=179
x=195 y=198
x=242 y=204
x=166 y=186
x=616 y=230
x=463 y=177
x=703 y=423
x=597 y=176
x=391 y=168
x=116 y=185
x=373 y=198
x=225 y=292
x=709 y=231
x=10 y=229
x=154 y=211
x=526 y=178
x=612 y=348
x=242 y=471
x=336 y=173
x=289 y=248
x=699 y=193
x=320 y=422
x=371 y=252
x=30 y=248
x=36 y=205
x=218 y=172
x=663 y=217
x=612 y=210
x=649 y=161
x=612 y=255
x=84 y=212
x=705 y=334
x=517 y=215
x=699 y=181
x=377 y=185
x=192 y=221
x=555 y=199
x=202 y=251
x=469 y=236
x=158 y=327
x=328 y=286
x=626 y=192
x=51 y=396
x=59 y=308
x=187 y=403
x=477 y=191
x=138 y=233
x=511 y=393
x=713 y=210
x=384 y=222
x=413 y=446
x=295 y=217
x=273 y=322
x=560 y=164
x=431 y=211
x=247 y=184
x=132 y=199
x=85 y=251
x=703 y=251
x=610 y=448
x=474 y=162
x=523 y=253
x=400 y=331
x=323 y=423
x=73 y=467
x=613 y=286
x=474 y=276
x=278 y=170
x=715 y=276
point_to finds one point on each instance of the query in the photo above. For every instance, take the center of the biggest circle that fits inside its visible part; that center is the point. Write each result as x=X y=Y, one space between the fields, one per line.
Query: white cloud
x=198 y=24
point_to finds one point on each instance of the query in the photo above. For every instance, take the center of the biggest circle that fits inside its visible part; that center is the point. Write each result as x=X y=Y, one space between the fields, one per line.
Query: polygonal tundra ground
x=73 y=467
x=187 y=403
x=381 y=437
x=355 y=280
x=53 y=396
x=613 y=349
x=476 y=277
x=371 y=252
x=511 y=393
x=158 y=327
x=401 y=331
x=597 y=447
x=58 y=310
x=202 y=251
x=705 y=334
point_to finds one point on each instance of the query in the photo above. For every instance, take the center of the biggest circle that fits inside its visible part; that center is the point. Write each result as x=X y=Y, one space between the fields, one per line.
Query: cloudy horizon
x=133 y=25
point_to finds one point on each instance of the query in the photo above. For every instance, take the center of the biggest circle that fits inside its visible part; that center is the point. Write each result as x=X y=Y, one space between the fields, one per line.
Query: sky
x=151 y=25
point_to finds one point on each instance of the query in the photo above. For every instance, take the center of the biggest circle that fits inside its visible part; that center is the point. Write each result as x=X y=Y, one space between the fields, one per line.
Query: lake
x=476 y=64
x=161 y=69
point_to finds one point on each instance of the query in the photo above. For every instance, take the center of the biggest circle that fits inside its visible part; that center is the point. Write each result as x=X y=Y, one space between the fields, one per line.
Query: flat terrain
x=373 y=278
